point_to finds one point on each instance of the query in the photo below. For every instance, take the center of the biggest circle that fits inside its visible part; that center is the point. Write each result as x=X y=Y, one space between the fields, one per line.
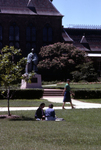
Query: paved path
x=56 y=99
x=76 y=103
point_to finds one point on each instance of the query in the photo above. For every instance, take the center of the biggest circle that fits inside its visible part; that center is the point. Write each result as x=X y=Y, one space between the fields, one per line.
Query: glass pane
x=44 y=44
x=44 y=34
x=11 y=33
x=33 y=46
x=0 y=45
x=50 y=34
x=33 y=34
x=16 y=45
x=28 y=35
x=0 y=32
x=11 y=44
x=16 y=33
x=28 y=48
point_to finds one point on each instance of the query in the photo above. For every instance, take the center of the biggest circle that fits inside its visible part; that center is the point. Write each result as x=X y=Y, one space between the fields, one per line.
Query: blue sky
x=79 y=12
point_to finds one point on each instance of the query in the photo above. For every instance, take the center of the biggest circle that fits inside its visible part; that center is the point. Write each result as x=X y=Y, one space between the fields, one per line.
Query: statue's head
x=32 y=50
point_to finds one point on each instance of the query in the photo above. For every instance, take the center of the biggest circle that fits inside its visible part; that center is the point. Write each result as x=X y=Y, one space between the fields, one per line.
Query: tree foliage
x=61 y=61
x=57 y=61
x=85 y=72
x=10 y=70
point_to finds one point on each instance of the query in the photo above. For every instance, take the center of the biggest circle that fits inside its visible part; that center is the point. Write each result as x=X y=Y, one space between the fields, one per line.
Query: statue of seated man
x=32 y=61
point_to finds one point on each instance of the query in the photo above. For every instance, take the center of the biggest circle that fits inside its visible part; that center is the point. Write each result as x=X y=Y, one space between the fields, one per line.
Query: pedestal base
x=35 y=82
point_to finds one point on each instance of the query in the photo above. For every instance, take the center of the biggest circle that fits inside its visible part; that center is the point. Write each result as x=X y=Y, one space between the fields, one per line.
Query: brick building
x=93 y=38
x=29 y=23
x=35 y=23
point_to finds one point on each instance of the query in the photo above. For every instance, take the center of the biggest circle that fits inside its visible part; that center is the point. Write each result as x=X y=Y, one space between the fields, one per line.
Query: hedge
x=25 y=94
x=86 y=94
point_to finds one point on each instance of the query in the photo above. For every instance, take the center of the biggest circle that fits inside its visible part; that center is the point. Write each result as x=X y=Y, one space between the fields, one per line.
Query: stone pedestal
x=35 y=82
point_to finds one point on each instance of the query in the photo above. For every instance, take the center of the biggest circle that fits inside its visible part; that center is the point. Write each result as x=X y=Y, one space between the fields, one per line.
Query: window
x=47 y=35
x=14 y=35
x=0 y=37
x=30 y=37
x=99 y=67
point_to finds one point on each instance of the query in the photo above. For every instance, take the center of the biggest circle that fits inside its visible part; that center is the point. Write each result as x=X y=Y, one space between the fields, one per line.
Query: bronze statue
x=32 y=61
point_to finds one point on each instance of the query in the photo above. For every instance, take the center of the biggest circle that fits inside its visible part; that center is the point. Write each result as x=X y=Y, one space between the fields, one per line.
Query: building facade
x=29 y=23
x=91 y=45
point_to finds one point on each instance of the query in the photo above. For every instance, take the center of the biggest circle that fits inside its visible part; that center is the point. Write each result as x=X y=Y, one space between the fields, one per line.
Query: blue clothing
x=50 y=112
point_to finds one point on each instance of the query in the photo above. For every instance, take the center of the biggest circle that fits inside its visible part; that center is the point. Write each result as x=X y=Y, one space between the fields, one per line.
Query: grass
x=78 y=85
x=85 y=85
x=91 y=100
x=36 y=102
x=82 y=85
x=27 y=103
x=81 y=130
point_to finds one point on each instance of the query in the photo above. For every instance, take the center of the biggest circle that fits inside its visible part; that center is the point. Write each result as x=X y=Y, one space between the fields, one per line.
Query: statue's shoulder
x=30 y=54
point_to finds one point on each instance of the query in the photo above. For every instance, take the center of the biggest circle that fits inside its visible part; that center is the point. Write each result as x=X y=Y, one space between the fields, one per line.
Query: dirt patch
x=9 y=117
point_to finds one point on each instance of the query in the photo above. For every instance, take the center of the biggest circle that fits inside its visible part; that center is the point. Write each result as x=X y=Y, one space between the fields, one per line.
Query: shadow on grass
x=22 y=118
x=16 y=118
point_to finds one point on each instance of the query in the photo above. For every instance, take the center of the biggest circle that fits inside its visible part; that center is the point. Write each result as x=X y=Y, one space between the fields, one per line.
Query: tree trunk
x=8 y=92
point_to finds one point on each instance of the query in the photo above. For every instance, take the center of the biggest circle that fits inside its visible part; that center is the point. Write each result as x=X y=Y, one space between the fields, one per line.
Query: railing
x=84 y=26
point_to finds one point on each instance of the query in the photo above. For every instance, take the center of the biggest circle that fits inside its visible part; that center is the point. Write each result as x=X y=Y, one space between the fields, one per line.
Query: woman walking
x=66 y=92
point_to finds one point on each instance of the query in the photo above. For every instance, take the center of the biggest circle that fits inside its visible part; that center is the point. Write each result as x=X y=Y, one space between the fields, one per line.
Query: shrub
x=85 y=72
x=86 y=94
x=25 y=94
x=57 y=61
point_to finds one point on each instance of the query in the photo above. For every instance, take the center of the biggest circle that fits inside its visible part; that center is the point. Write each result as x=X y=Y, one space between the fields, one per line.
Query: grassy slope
x=81 y=130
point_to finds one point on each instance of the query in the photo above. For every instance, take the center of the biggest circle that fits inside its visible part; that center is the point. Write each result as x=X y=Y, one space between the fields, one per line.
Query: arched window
x=47 y=35
x=0 y=37
x=30 y=37
x=14 y=35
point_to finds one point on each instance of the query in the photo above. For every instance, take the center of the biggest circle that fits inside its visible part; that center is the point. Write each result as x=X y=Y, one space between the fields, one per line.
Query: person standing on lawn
x=66 y=93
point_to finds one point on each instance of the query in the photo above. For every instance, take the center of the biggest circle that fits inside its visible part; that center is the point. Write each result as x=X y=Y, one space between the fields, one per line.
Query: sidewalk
x=77 y=104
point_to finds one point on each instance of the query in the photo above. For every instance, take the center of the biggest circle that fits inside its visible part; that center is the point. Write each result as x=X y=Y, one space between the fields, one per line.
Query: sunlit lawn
x=36 y=102
x=81 y=130
x=82 y=85
x=91 y=100
x=27 y=103
x=78 y=85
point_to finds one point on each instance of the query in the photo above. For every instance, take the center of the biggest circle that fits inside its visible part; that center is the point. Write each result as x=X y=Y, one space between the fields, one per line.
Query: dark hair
x=68 y=80
x=51 y=106
x=42 y=104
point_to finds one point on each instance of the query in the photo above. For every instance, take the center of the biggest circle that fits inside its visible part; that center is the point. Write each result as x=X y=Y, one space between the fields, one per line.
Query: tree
x=85 y=72
x=10 y=70
x=57 y=61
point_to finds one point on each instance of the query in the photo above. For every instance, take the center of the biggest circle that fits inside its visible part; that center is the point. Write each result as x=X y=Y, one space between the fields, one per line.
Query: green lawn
x=36 y=102
x=82 y=85
x=91 y=100
x=81 y=130
x=24 y=103
x=27 y=103
x=78 y=85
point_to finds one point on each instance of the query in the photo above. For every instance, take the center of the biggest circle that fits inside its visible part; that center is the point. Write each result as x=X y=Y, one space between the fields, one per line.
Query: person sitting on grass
x=50 y=113
x=40 y=115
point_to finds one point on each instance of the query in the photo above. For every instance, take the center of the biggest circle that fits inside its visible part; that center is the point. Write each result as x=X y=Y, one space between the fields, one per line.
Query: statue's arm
x=35 y=58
